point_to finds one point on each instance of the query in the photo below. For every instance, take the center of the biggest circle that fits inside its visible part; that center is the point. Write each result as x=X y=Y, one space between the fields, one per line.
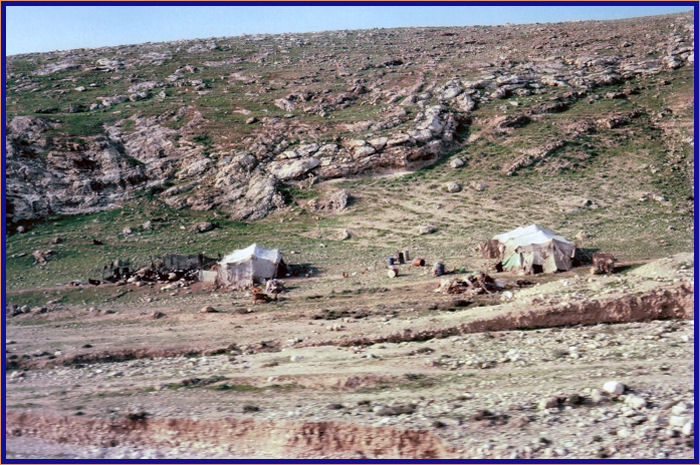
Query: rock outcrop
x=230 y=136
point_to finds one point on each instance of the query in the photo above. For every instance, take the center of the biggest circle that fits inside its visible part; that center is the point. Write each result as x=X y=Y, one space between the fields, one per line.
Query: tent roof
x=254 y=250
x=527 y=235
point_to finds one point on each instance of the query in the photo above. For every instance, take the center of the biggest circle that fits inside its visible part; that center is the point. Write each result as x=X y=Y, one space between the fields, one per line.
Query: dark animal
x=603 y=263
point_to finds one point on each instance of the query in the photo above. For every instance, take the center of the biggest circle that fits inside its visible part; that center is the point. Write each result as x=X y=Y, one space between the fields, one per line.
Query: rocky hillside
x=240 y=124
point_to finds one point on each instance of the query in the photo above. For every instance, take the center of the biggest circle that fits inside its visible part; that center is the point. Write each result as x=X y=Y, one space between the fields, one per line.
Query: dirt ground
x=337 y=368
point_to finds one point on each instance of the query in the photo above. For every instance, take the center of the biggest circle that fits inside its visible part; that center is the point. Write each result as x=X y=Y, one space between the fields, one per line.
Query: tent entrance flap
x=512 y=262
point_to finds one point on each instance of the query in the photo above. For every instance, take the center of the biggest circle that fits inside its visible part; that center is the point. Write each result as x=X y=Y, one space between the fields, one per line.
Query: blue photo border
x=693 y=4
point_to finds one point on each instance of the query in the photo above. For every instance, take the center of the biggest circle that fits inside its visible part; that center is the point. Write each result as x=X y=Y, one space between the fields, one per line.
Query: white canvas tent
x=530 y=249
x=244 y=267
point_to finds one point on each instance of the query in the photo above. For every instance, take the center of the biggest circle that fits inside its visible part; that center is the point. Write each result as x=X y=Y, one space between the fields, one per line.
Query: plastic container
x=439 y=269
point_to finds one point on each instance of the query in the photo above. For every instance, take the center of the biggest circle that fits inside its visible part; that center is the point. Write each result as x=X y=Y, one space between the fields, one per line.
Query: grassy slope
x=623 y=164
x=388 y=209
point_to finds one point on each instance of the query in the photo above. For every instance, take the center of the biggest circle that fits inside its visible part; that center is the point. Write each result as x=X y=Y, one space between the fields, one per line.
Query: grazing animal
x=603 y=263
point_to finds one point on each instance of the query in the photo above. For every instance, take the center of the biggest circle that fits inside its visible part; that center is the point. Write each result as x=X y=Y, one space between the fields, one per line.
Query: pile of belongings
x=260 y=296
x=118 y=270
x=170 y=268
x=480 y=283
x=274 y=287
x=174 y=267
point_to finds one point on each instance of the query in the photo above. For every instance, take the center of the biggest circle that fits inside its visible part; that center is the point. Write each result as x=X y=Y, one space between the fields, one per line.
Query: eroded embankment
x=243 y=437
x=673 y=303
x=668 y=303
x=107 y=356
x=134 y=353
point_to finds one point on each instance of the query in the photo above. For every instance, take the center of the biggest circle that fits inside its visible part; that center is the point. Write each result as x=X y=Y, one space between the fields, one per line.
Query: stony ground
x=340 y=148
x=289 y=384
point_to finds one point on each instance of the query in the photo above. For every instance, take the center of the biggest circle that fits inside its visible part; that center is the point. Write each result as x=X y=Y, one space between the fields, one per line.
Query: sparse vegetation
x=316 y=144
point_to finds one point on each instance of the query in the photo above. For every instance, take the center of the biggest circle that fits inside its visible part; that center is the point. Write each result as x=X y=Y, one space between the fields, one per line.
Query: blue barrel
x=439 y=269
x=390 y=261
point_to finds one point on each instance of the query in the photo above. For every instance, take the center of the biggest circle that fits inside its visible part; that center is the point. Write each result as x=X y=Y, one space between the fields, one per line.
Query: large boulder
x=292 y=169
x=464 y=103
x=27 y=127
x=432 y=119
x=451 y=90
x=260 y=198
x=335 y=202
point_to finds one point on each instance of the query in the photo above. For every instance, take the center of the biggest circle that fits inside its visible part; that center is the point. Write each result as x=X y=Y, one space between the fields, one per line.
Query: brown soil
x=248 y=437
x=671 y=303
x=656 y=305
x=390 y=371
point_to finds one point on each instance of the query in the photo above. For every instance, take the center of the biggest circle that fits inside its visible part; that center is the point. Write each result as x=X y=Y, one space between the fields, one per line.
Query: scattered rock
x=479 y=186
x=597 y=396
x=511 y=122
x=614 y=387
x=42 y=256
x=636 y=402
x=456 y=163
x=403 y=409
x=678 y=421
x=679 y=409
x=426 y=229
x=688 y=428
x=453 y=187
x=203 y=227
x=335 y=202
